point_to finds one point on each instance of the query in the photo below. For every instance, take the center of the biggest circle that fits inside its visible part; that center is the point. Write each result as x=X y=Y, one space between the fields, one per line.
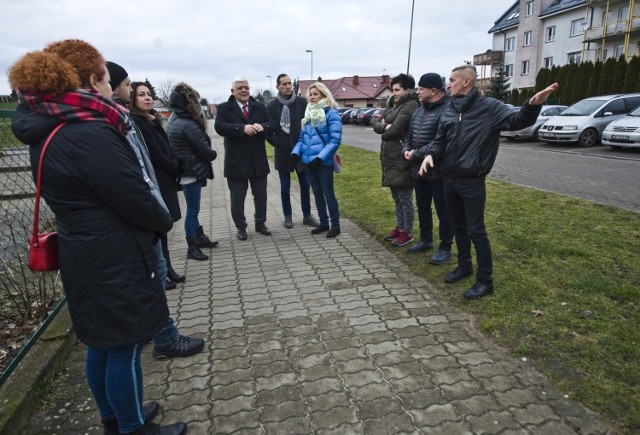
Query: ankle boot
x=173 y=275
x=203 y=241
x=193 y=251
x=156 y=429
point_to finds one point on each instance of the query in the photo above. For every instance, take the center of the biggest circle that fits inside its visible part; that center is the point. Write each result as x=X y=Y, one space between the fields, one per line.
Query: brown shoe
x=262 y=229
x=242 y=234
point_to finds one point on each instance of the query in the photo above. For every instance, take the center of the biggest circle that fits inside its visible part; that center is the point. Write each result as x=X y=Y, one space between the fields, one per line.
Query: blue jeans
x=321 y=179
x=426 y=190
x=115 y=379
x=192 y=193
x=169 y=333
x=285 y=192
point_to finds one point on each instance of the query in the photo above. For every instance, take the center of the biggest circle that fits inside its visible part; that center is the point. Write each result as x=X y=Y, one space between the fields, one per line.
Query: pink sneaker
x=403 y=239
x=392 y=235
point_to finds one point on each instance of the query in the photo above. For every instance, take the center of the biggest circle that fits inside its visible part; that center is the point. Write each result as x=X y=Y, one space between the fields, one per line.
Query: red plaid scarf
x=79 y=106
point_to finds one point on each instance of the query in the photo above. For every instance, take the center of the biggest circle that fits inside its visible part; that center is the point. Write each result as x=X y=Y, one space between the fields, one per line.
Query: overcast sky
x=206 y=43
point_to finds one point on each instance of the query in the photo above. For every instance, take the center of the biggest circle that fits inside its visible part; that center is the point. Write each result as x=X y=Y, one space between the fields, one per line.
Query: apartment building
x=535 y=34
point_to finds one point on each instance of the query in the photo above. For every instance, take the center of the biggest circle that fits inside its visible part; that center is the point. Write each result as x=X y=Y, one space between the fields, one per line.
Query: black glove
x=315 y=162
x=293 y=162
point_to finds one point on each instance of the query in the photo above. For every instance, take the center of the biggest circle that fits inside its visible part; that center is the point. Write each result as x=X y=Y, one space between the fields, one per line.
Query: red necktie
x=245 y=111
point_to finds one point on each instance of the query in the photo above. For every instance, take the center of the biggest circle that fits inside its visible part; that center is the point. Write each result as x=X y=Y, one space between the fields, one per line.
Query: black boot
x=203 y=241
x=173 y=275
x=193 y=251
x=156 y=429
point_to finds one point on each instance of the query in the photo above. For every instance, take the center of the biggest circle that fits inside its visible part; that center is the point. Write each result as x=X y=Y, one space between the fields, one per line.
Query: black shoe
x=262 y=229
x=156 y=429
x=183 y=346
x=320 y=229
x=479 y=290
x=169 y=285
x=422 y=245
x=193 y=251
x=203 y=241
x=173 y=276
x=457 y=274
x=333 y=232
x=242 y=234
x=150 y=411
x=440 y=257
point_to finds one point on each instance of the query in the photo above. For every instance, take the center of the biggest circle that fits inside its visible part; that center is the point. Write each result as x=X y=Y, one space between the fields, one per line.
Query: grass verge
x=567 y=279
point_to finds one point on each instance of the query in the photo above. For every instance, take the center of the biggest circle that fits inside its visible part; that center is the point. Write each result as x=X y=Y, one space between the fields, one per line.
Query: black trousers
x=466 y=198
x=426 y=190
x=238 y=189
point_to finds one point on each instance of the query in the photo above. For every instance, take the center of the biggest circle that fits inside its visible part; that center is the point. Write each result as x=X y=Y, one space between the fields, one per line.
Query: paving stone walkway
x=309 y=335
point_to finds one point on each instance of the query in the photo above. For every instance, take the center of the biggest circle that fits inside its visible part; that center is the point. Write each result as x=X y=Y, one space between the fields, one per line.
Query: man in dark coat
x=464 y=151
x=287 y=110
x=424 y=125
x=244 y=124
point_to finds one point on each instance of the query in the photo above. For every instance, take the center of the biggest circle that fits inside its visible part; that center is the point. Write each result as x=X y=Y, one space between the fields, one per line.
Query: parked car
x=341 y=110
x=345 y=116
x=625 y=132
x=356 y=117
x=377 y=115
x=365 y=117
x=532 y=131
x=584 y=121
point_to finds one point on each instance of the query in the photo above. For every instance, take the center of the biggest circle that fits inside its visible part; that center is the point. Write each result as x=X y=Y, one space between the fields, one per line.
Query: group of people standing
x=444 y=148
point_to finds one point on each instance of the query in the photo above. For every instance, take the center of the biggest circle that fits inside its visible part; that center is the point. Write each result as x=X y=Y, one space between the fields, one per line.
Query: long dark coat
x=244 y=156
x=163 y=159
x=106 y=218
x=282 y=142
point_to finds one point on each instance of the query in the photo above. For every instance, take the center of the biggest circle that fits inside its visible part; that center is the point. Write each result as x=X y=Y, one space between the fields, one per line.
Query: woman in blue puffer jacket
x=319 y=141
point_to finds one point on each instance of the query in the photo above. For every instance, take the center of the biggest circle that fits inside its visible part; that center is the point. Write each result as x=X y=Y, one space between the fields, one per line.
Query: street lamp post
x=413 y=4
x=270 y=89
x=311 y=51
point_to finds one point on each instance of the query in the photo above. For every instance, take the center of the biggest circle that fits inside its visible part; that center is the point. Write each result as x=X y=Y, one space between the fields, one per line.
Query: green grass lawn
x=576 y=262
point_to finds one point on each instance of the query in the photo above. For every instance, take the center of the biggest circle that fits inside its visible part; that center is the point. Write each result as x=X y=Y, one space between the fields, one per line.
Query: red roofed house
x=355 y=91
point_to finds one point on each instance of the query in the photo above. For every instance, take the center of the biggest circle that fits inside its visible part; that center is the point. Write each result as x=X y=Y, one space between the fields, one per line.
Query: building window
x=516 y=14
x=508 y=70
x=619 y=51
x=575 y=57
x=527 y=39
x=551 y=34
x=548 y=62
x=510 y=44
x=525 y=67
x=577 y=27
x=529 y=9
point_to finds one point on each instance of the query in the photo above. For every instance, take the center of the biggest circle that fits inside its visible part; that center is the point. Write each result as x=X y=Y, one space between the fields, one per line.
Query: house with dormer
x=355 y=91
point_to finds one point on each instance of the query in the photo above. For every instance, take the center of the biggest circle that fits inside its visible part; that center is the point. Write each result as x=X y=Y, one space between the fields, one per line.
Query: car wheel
x=588 y=138
x=534 y=135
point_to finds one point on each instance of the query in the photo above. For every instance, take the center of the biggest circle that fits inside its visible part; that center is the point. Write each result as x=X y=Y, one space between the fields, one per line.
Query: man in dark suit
x=244 y=123
x=287 y=110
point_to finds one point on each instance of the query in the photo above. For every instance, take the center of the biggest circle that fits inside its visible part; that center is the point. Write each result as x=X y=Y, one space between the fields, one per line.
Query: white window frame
x=577 y=27
x=510 y=44
x=550 y=34
x=526 y=68
x=575 y=57
x=528 y=36
x=508 y=70
x=529 y=9
x=548 y=62
x=618 y=50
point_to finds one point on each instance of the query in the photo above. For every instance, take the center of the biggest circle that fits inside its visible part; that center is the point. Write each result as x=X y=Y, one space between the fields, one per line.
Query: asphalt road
x=598 y=174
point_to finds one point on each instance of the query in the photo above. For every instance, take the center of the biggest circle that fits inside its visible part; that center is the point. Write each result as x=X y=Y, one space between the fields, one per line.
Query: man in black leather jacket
x=464 y=150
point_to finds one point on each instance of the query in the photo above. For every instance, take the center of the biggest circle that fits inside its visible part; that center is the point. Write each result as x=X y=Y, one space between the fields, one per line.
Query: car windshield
x=583 y=108
x=635 y=112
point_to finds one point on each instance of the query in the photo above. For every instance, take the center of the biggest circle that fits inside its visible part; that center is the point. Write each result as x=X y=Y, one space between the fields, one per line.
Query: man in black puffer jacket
x=424 y=125
x=464 y=151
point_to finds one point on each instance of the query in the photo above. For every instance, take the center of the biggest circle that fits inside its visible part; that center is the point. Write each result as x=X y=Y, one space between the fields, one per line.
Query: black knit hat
x=430 y=81
x=117 y=74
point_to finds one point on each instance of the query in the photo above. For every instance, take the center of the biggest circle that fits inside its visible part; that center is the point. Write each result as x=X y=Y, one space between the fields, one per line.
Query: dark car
x=355 y=117
x=367 y=117
x=345 y=116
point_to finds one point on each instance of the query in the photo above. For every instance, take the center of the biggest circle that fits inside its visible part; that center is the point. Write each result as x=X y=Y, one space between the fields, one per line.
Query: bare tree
x=164 y=91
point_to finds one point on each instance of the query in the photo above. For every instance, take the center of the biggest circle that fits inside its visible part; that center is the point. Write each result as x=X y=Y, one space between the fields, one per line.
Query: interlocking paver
x=322 y=336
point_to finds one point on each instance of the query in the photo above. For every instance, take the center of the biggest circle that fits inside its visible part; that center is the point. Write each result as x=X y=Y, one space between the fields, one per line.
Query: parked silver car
x=584 y=121
x=625 y=132
x=546 y=112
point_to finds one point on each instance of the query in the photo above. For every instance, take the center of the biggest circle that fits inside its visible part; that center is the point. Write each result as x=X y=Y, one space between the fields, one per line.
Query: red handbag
x=43 y=247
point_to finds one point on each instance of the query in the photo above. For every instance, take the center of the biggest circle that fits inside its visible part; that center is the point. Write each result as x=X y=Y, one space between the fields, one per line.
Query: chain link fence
x=26 y=297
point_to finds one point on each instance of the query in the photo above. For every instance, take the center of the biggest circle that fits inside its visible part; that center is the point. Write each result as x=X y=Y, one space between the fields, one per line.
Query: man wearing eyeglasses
x=244 y=123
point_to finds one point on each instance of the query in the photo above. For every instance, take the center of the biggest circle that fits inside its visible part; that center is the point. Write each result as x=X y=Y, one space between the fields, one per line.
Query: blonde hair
x=324 y=90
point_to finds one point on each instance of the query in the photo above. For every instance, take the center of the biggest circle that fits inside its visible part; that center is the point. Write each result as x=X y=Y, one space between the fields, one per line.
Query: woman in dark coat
x=187 y=131
x=396 y=170
x=106 y=218
x=164 y=161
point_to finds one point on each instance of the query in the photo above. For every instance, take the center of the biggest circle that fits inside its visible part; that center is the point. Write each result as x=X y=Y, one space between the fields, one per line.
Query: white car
x=531 y=132
x=624 y=132
x=584 y=121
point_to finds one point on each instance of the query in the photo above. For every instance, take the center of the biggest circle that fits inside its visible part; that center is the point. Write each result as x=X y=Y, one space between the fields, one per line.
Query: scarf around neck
x=80 y=105
x=285 y=117
x=315 y=113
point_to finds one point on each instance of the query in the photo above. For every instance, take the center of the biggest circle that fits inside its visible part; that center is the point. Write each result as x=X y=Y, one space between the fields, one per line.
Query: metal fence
x=26 y=297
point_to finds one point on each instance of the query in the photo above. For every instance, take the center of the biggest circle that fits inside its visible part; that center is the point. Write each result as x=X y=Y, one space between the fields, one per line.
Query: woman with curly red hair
x=106 y=219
